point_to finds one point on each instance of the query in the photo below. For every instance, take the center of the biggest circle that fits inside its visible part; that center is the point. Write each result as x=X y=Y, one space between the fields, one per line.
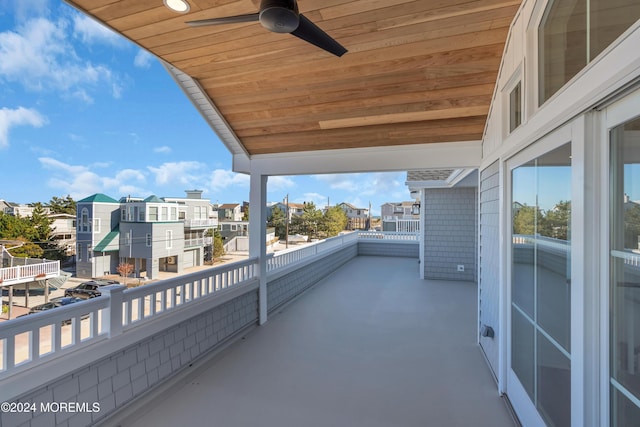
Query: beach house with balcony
x=540 y=99
x=152 y=234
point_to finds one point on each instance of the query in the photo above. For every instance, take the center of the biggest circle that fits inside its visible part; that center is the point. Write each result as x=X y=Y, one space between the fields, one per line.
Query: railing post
x=112 y=315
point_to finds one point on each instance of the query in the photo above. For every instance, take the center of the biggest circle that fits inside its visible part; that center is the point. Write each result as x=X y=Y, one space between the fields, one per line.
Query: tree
x=61 y=205
x=632 y=227
x=13 y=227
x=529 y=220
x=124 y=269
x=27 y=250
x=41 y=223
x=245 y=215
x=557 y=220
x=278 y=221
x=333 y=221
x=308 y=222
x=218 y=245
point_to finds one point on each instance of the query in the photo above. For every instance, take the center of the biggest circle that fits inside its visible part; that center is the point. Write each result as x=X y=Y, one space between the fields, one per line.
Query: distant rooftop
x=429 y=175
x=98 y=198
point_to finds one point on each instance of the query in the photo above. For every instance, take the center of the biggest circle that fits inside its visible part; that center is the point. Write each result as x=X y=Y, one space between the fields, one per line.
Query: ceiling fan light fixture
x=180 y=6
x=279 y=19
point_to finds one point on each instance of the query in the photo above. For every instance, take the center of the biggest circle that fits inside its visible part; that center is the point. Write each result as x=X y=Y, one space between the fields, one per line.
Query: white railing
x=145 y=302
x=292 y=256
x=630 y=258
x=31 y=340
x=28 y=272
x=388 y=235
x=201 y=222
x=197 y=241
x=563 y=246
x=408 y=226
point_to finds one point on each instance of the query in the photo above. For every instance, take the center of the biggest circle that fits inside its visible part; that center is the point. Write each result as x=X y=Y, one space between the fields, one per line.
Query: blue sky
x=84 y=111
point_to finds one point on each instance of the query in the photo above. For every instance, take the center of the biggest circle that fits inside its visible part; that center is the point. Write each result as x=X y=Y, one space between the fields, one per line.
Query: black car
x=90 y=289
x=56 y=302
x=53 y=303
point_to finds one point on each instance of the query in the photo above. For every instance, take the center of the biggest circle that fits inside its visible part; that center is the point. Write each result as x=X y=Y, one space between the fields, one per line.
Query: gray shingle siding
x=489 y=280
x=449 y=235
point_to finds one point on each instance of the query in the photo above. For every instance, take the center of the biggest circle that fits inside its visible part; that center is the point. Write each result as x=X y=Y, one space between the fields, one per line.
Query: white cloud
x=143 y=59
x=89 y=32
x=162 y=150
x=277 y=183
x=367 y=184
x=18 y=117
x=80 y=181
x=39 y=56
x=222 y=179
x=185 y=173
x=346 y=182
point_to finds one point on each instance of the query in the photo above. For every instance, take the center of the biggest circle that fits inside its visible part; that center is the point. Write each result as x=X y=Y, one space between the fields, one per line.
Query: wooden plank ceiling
x=416 y=71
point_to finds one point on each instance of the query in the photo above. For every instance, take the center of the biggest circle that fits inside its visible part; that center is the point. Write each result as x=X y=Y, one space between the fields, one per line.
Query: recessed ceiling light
x=180 y=6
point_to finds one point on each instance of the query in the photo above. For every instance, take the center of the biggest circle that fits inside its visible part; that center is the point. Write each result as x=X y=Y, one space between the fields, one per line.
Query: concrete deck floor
x=371 y=345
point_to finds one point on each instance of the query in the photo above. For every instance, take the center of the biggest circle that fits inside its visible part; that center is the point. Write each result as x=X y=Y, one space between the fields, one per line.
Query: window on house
x=174 y=214
x=515 y=107
x=169 y=236
x=123 y=214
x=79 y=252
x=153 y=213
x=84 y=221
x=96 y=225
x=573 y=32
x=148 y=240
x=182 y=215
x=165 y=213
x=141 y=215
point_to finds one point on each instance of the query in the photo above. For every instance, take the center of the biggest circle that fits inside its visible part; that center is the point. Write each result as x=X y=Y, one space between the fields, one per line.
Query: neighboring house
x=24 y=211
x=229 y=212
x=294 y=209
x=4 y=205
x=153 y=234
x=63 y=232
x=395 y=215
x=230 y=229
x=358 y=218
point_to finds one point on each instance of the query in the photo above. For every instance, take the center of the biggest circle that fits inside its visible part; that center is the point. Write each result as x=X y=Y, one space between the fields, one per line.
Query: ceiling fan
x=282 y=16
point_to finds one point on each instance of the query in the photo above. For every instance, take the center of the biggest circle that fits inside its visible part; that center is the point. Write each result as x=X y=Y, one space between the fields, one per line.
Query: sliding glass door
x=539 y=375
x=624 y=283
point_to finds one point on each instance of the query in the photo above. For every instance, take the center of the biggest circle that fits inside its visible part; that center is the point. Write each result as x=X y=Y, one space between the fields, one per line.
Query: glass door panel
x=625 y=274
x=541 y=283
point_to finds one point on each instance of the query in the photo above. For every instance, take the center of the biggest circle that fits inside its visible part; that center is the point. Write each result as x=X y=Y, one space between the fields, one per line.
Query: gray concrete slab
x=371 y=345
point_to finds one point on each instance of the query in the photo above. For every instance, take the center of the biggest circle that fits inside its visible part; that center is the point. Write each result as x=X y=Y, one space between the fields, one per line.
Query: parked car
x=90 y=289
x=54 y=303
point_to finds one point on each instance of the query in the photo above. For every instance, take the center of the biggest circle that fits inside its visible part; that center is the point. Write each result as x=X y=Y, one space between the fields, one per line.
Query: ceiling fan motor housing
x=279 y=16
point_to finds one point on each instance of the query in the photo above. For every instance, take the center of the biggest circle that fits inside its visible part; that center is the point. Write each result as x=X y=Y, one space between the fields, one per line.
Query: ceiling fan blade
x=311 y=33
x=251 y=17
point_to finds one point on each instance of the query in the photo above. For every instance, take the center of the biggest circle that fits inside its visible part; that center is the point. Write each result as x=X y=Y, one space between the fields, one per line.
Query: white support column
x=258 y=235
x=422 y=231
